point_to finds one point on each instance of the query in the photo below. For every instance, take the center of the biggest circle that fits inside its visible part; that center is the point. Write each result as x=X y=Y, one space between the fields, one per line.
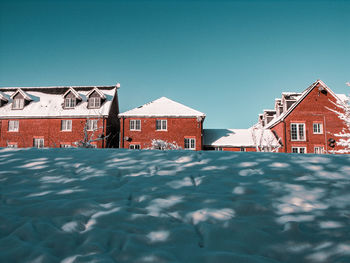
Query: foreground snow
x=70 y=205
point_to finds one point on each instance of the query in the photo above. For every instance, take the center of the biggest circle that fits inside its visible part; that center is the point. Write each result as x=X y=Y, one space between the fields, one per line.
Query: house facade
x=59 y=116
x=162 y=119
x=304 y=122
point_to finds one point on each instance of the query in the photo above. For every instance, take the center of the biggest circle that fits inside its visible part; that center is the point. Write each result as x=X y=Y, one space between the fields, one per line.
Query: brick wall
x=50 y=130
x=311 y=110
x=177 y=130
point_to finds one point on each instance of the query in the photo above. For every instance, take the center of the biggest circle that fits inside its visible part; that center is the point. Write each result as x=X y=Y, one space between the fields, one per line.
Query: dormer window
x=70 y=103
x=71 y=99
x=94 y=102
x=18 y=104
x=95 y=98
x=20 y=99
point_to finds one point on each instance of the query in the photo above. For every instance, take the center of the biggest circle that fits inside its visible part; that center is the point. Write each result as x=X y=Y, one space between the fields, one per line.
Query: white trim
x=191 y=141
x=161 y=125
x=75 y=93
x=299 y=148
x=102 y=95
x=134 y=128
x=298 y=131
x=320 y=128
x=66 y=125
x=13 y=126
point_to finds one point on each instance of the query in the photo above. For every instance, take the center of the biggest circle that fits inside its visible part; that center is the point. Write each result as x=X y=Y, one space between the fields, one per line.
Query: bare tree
x=164 y=145
x=343 y=113
x=264 y=140
x=88 y=140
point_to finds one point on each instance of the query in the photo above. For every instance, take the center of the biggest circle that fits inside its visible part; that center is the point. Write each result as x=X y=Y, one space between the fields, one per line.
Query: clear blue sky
x=228 y=59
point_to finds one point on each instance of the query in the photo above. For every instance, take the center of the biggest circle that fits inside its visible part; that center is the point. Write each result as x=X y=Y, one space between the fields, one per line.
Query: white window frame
x=242 y=149
x=13 y=125
x=70 y=103
x=92 y=125
x=191 y=144
x=319 y=150
x=12 y=145
x=65 y=145
x=66 y=125
x=218 y=149
x=298 y=149
x=38 y=143
x=299 y=137
x=163 y=125
x=317 y=128
x=134 y=124
x=18 y=104
x=94 y=102
x=135 y=146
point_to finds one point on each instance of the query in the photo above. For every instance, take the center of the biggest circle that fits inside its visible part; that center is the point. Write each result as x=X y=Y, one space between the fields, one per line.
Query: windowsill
x=318 y=133
x=136 y=130
x=12 y=131
x=298 y=140
x=66 y=130
x=18 y=108
x=161 y=130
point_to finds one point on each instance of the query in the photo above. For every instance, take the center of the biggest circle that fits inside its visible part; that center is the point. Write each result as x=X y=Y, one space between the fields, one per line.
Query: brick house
x=303 y=121
x=56 y=116
x=240 y=140
x=161 y=119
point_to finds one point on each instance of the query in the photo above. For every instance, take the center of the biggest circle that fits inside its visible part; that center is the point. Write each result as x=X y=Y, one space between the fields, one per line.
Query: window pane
x=294 y=132
x=302 y=150
x=158 y=124
x=295 y=150
x=193 y=144
x=187 y=143
x=164 y=124
x=301 y=132
x=138 y=124
x=132 y=125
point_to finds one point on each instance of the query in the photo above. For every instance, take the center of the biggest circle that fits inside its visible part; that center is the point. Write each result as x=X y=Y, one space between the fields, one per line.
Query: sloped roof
x=162 y=107
x=97 y=91
x=276 y=120
x=4 y=97
x=238 y=137
x=24 y=94
x=76 y=94
x=46 y=102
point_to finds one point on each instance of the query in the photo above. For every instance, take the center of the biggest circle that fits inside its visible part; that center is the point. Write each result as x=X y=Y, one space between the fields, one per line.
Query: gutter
x=122 y=139
x=103 y=132
x=285 y=136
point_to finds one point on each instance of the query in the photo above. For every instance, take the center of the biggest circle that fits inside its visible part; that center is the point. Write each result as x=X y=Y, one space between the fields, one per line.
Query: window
x=92 y=125
x=319 y=149
x=297 y=132
x=218 y=148
x=69 y=102
x=18 y=104
x=135 y=125
x=94 y=102
x=13 y=126
x=317 y=128
x=161 y=125
x=66 y=125
x=298 y=149
x=242 y=149
x=65 y=145
x=12 y=145
x=38 y=143
x=135 y=146
x=190 y=144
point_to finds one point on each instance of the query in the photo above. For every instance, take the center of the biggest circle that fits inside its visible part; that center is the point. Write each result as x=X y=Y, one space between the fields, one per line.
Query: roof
x=76 y=94
x=162 y=107
x=238 y=137
x=300 y=97
x=97 y=91
x=47 y=103
x=4 y=97
x=24 y=94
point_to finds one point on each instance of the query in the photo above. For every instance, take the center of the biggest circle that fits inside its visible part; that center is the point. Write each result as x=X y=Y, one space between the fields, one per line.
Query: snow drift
x=78 y=205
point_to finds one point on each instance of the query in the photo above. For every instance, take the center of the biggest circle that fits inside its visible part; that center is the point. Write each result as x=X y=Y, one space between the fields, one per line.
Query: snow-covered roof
x=24 y=94
x=47 y=102
x=239 y=137
x=299 y=97
x=162 y=107
x=4 y=97
x=97 y=91
x=71 y=90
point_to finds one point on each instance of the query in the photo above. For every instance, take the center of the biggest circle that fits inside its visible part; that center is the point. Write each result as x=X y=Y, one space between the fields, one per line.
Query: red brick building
x=303 y=121
x=57 y=116
x=162 y=119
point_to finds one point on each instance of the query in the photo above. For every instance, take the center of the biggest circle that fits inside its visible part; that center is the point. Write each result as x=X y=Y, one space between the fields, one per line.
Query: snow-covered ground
x=76 y=205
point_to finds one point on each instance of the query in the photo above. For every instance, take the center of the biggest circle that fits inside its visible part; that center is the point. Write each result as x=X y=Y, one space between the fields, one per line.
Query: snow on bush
x=164 y=145
x=106 y=205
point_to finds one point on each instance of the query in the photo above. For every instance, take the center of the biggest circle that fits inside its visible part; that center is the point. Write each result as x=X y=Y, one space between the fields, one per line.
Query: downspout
x=325 y=133
x=285 y=136
x=103 y=132
x=122 y=138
